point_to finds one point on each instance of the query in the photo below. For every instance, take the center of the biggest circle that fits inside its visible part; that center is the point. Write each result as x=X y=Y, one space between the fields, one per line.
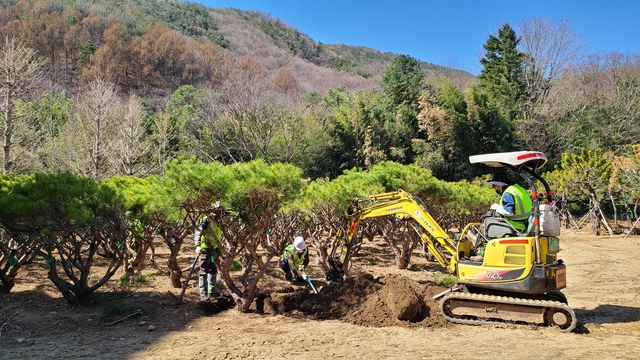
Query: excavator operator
x=515 y=207
x=515 y=204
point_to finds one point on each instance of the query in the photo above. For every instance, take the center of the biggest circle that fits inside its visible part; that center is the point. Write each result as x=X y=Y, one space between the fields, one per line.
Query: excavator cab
x=518 y=260
x=520 y=276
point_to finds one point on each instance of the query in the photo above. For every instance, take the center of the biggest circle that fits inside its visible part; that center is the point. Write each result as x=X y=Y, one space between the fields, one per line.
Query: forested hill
x=160 y=45
x=363 y=61
x=110 y=87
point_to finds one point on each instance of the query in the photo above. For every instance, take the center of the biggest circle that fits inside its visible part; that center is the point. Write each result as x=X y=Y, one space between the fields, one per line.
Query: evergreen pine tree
x=503 y=66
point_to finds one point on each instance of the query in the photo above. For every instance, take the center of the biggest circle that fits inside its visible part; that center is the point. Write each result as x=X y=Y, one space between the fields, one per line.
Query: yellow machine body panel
x=505 y=259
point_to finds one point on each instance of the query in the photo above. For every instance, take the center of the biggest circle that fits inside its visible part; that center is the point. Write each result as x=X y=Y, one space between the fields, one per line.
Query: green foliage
x=442 y=198
x=64 y=219
x=337 y=97
x=189 y=18
x=495 y=132
x=583 y=174
x=112 y=307
x=137 y=192
x=52 y=111
x=459 y=125
x=450 y=136
x=503 y=66
x=129 y=280
x=366 y=128
x=393 y=176
x=30 y=200
x=260 y=187
x=188 y=185
x=626 y=174
x=444 y=280
x=43 y=120
x=84 y=53
x=191 y=185
x=181 y=103
x=335 y=194
x=403 y=80
x=184 y=118
x=114 y=304
x=236 y=265
x=340 y=63
x=287 y=38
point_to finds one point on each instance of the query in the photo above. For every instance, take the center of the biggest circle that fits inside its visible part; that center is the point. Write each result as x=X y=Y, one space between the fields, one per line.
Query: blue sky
x=448 y=32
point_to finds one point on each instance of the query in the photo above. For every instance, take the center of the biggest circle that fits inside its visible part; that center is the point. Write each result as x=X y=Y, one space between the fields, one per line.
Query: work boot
x=477 y=258
x=288 y=276
x=214 y=294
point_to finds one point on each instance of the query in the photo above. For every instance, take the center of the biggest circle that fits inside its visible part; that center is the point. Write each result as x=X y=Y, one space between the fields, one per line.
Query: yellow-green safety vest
x=205 y=241
x=523 y=206
x=297 y=259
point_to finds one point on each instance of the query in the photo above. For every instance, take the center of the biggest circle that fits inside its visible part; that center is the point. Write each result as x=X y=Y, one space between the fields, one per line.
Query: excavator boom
x=401 y=205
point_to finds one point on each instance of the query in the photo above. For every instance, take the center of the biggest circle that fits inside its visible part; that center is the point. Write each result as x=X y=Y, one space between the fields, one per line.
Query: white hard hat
x=299 y=243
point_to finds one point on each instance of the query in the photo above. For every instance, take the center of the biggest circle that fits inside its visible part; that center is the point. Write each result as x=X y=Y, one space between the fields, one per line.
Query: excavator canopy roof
x=530 y=159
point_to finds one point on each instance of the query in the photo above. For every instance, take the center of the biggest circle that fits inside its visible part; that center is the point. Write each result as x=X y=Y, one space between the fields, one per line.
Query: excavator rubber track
x=479 y=309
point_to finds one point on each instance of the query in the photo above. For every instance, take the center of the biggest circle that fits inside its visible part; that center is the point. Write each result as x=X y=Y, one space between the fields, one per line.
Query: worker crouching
x=295 y=259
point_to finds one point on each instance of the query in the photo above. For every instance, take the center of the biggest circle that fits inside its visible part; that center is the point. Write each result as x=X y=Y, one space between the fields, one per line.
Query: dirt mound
x=215 y=306
x=392 y=300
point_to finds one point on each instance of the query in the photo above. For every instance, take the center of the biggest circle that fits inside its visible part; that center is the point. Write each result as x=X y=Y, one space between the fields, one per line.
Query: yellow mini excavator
x=520 y=276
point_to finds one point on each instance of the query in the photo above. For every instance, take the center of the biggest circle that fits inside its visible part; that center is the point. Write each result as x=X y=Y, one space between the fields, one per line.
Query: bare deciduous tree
x=602 y=96
x=165 y=132
x=130 y=146
x=551 y=49
x=243 y=124
x=21 y=72
x=284 y=81
x=89 y=133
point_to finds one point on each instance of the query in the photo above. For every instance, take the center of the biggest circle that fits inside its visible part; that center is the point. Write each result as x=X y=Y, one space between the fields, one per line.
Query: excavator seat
x=498 y=227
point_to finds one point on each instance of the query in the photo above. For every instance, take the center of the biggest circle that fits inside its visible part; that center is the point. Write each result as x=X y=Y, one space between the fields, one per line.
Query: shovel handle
x=186 y=282
x=313 y=287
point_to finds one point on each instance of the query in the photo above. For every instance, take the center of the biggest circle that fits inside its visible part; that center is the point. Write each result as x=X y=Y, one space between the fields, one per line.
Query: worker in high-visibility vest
x=207 y=239
x=515 y=202
x=295 y=259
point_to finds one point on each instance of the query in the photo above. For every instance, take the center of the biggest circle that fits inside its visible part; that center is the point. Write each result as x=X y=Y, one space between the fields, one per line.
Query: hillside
x=157 y=46
x=275 y=43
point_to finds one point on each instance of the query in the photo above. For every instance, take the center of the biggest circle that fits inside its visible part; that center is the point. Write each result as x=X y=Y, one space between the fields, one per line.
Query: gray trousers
x=207 y=284
x=207 y=275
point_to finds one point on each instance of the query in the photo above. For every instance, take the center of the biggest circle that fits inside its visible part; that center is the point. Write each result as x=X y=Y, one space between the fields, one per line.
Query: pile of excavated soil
x=392 y=300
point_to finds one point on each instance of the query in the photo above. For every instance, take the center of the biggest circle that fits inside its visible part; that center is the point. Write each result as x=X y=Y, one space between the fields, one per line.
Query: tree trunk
x=174 y=268
x=73 y=294
x=594 y=214
x=615 y=210
x=7 y=131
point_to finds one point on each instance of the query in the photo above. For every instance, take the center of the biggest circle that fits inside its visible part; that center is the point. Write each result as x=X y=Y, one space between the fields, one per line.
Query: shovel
x=186 y=282
x=311 y=284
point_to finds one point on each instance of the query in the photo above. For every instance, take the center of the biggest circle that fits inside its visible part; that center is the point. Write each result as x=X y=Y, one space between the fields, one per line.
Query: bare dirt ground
x=347 y=320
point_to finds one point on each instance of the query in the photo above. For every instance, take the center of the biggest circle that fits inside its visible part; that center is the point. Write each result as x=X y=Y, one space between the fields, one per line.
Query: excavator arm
x=402 y=205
